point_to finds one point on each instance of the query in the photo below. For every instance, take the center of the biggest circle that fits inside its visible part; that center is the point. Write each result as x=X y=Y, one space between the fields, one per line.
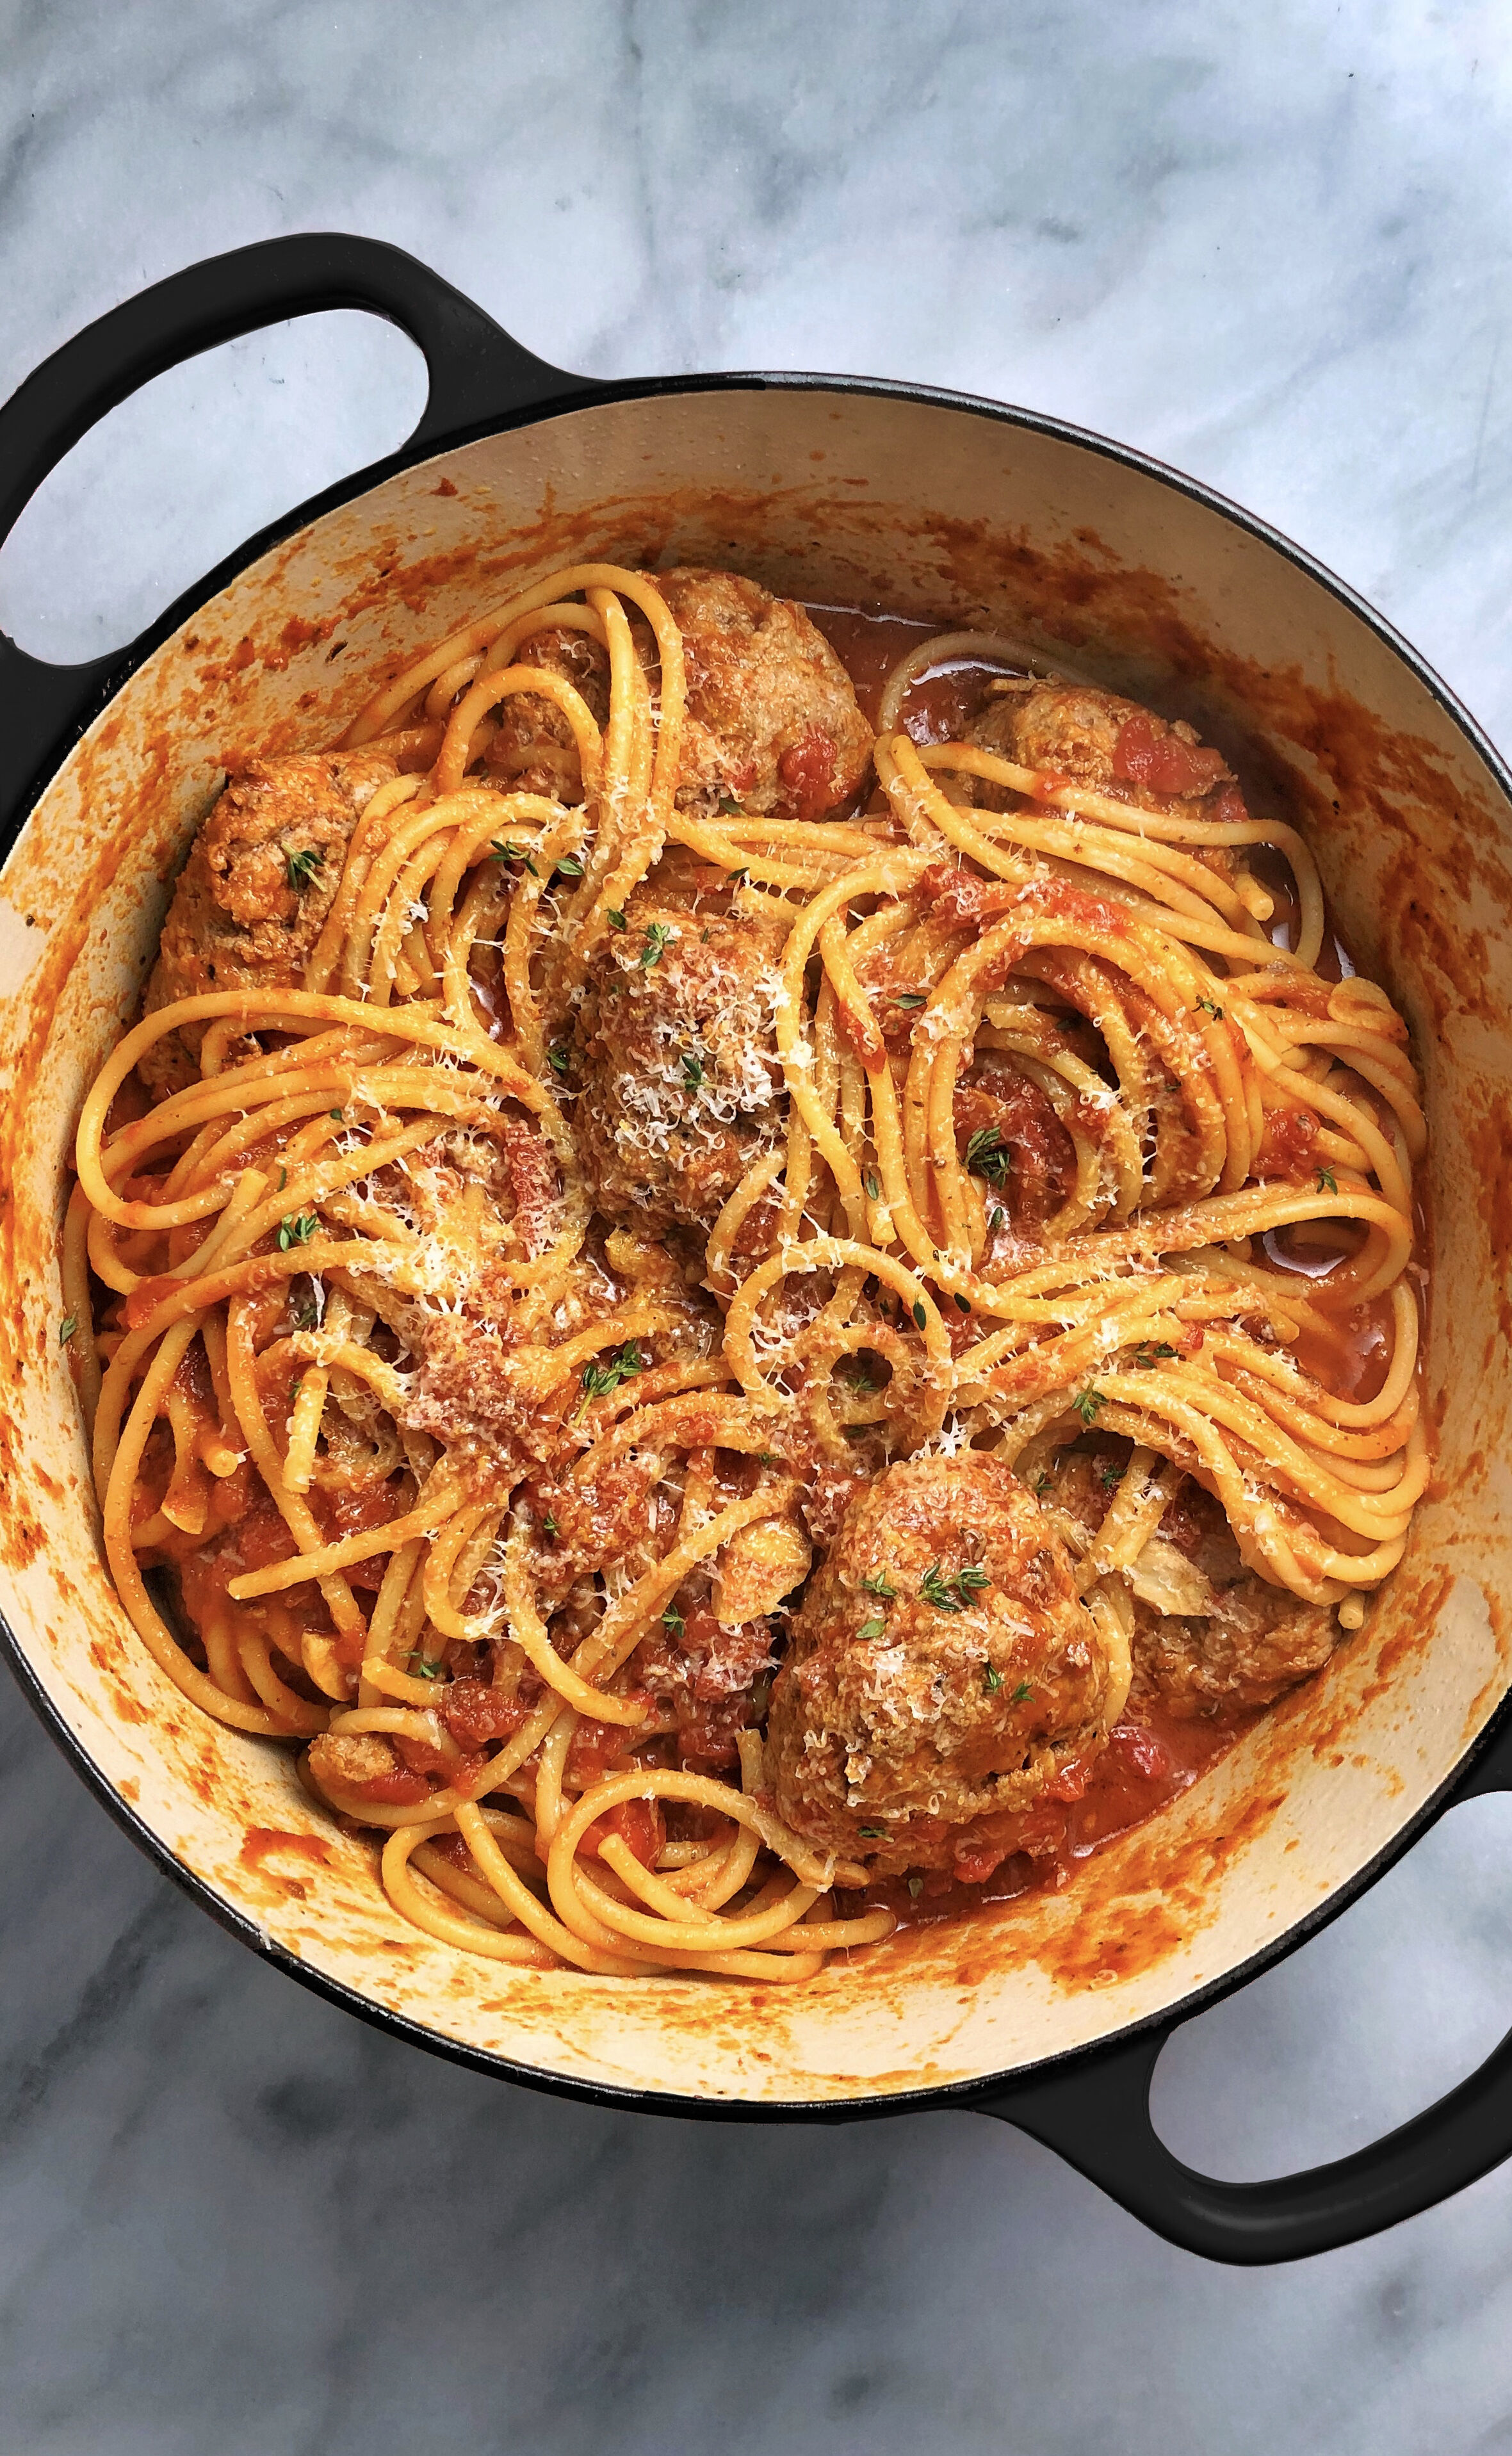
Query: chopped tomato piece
x=1150 y=754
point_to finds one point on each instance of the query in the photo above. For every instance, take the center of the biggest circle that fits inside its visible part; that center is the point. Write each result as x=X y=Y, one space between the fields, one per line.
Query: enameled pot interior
x=840 y=497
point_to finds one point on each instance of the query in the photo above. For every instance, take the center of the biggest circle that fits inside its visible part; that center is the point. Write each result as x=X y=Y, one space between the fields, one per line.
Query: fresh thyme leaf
x=1327 y=1181
x=1025 y=1689
x=1088 y=1405
x=996 y=1220
x=872 y=1628
x=1145 y=1355
x=672 y=1621
x=1109 y=1474
x=548 y=1526
x=301 y=868
x=296 y=1229
x=729 y=809
x=599 y=1380
x=515 y=855
x=1210 y=1006
x=617 y=921
x=283 y=1179
x=656 y=935
x=919 y=1314
x=738 y=877
x=339 y=1113
x=991 y=1680
x=873 y=1185
x=910 y=997
x=692 y=1073
x=767 y=1457
x=569 y=865
x=871 y=1832
x=987 y=1155
x=423 y=1668
x=1042 y=1480
x=557 y=1059
x=965 y=1304
x=948 y=1594
x=66 y=1329
x=879 y=1583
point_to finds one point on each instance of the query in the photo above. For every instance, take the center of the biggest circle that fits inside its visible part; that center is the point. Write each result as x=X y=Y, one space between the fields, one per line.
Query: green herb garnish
x=871 y=1833
x=1327 y=1181
x=873 y=1185
x=301 y=868
x=672 y=1621
x=569 y=865
x=991 y=1681
x=880 y=1584
x=297 y=1230
x=1145 y=1355
x=599 y=1380
x=1088 y=1404
x=919 y=1314
x=548 y=1526
x=964 y=1302
x=692 y=1073
x=514 y=853
x=872 y=1628
x=996 y=1220
x=66 y=1329
x=557 y=1059
x=1024 y=1690
x=910 y=997
x=656 y=935
x=987 y=1155
x=338 y=1113
x=1210 y=1006
x=915 y=1887
x=424 y=1668
x=951 y=1594
x=617 y=920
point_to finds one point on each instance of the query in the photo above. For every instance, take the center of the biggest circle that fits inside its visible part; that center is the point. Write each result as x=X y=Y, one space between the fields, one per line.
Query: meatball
x=681 y=1082
x=772 y=721
x=942 y=1667
x=1097 y=740
x=533 y=750
x=1246 y=1644
x=1210 y=1636
x=261 y=876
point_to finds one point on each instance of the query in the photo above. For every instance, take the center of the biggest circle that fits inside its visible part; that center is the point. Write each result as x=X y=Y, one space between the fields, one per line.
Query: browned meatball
x=772 y=721
x=1249 y=1642
x=1210 y=1636
x=681 y=1083
x=942 y=1667
x=1097 y=740
x=533 y=749
x=260 y=878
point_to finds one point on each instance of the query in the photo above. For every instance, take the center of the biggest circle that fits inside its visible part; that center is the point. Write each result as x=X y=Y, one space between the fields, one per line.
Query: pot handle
x=478 y=376
x=1095 y=2114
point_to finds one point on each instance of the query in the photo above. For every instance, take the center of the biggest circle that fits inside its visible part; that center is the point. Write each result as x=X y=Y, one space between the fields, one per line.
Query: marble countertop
x=1271 y=246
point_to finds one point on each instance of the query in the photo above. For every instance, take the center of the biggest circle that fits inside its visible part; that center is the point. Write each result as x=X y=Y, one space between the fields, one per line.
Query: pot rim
x=101 y=682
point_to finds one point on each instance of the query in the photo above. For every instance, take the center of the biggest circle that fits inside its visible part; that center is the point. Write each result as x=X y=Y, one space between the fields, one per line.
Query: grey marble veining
x=1272 y=246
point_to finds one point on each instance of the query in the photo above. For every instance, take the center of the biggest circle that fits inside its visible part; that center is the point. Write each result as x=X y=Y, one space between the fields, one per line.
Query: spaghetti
x=416 y=1449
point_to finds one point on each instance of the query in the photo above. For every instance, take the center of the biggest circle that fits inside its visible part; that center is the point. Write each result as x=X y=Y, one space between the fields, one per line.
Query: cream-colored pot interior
x=843 y=498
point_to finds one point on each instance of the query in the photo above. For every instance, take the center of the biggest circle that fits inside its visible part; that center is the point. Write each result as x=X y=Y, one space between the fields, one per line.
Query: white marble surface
x=1270 y=245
